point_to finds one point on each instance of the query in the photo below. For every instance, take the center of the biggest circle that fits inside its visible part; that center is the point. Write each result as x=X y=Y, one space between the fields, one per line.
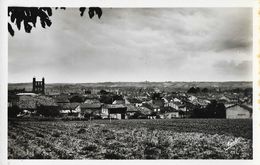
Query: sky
x=136 y=44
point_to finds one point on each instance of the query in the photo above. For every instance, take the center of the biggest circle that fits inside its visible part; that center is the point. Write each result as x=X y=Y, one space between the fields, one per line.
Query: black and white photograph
x=102 y=83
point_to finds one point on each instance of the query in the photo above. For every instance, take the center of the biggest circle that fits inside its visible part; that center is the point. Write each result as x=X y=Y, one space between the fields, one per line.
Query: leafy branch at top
x=27 y=16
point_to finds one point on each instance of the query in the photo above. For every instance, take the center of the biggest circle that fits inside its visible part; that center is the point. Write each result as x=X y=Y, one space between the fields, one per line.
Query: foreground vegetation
x=131 y=139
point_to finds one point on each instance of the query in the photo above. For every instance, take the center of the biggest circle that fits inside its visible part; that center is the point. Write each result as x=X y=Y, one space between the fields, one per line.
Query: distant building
x=38 y=86
x=89 y=110
x=116 y=111
x=70 y=109
x=238 y=112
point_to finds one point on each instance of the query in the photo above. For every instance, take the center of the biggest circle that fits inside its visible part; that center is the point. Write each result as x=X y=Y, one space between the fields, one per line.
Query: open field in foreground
x=131 y=139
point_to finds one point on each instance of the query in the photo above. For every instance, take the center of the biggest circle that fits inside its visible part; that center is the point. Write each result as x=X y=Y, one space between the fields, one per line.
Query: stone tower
x=38 y=86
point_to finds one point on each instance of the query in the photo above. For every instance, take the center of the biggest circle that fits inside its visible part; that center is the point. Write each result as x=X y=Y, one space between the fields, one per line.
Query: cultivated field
x=131 y=139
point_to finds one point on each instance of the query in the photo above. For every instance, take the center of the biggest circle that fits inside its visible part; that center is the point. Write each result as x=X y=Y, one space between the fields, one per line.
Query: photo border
x=254 y=4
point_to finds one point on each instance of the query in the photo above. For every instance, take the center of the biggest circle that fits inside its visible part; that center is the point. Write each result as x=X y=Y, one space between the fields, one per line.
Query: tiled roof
x=27 y=104
x=34 y=101
x=70 y=106
x=145 y=110
x=131 y=108
x=90 y=106
x=110 y=106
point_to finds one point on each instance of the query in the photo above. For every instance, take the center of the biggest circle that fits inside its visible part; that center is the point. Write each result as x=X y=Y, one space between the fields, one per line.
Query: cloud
x=234 y=68
x=133 y=44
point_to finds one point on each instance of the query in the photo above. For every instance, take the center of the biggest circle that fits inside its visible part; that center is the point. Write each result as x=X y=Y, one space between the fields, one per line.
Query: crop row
x=85 y=140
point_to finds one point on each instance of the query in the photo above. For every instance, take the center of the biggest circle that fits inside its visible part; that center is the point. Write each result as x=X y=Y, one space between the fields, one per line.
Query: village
x=133 y=103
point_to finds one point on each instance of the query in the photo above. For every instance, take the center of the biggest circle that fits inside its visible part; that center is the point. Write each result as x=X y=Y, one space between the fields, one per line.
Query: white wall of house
x=173 y=105
x=76 y=110
x=104 y=111
x=116 y=116
x=237 y=112
x=171 y=115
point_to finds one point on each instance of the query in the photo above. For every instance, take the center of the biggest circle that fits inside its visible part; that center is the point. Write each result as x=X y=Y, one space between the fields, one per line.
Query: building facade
x=38 y=86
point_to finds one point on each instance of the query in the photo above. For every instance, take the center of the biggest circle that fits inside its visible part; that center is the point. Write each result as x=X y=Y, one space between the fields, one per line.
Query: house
x=131 y=110
x=224 y=99
x=135 y=101
x=92 y=101
x=176 y=100
x=175 y=105
x=192 y=98
x=88 y=110
x=114 y=111
x=70 y=109
x=145 y=111
x=166 y=102
x=118 y=102
x=62 y=99
x=237 y=111
x=202 y=102
x=47 y=106
x=41 y=105
x=27 y=105
x=170 y=113
x=158 y=102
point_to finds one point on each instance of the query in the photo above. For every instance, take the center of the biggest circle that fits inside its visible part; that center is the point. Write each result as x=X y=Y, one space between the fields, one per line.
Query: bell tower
x=38 y=86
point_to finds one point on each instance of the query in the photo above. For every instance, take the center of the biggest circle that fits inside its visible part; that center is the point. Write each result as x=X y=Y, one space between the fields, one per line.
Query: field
x=131 y=139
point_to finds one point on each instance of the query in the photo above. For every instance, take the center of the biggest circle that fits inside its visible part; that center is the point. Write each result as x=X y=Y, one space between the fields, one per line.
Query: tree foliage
x=212 y=110
x=194 y=90
x=76 y=99
x=156 y=96
x=14 y=111
x=27 y=16
x=50 y=111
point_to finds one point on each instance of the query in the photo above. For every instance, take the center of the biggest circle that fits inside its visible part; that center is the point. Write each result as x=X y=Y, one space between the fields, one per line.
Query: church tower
x=38 y=86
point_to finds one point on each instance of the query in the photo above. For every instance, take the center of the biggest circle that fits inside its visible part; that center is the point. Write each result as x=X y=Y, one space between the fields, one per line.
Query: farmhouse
x=40 y=105
x=70 y=109
x=145 y=111
x=238 y=112
x=175 y=105
x=131 y=111
x=133 y=101
x=116 y=111
x=92 y=101
x=170 y=113
x=27 y=105
x=88 y=110
x=62 y=99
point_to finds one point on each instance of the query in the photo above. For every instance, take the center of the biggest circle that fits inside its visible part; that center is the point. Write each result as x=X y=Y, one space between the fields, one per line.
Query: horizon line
x=130 y=82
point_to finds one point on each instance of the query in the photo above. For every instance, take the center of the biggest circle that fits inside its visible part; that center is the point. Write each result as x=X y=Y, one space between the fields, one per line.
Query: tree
x=118 y=97
x=49 y=111
x=156 y=96
x=106 y=99
x=205 y=90
x=103 y=92
x=248 y=92
x=212 y=110
x=215 y=110
x=192 y=90
x=28 y=16
x=76 y=99
x=13 y=111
